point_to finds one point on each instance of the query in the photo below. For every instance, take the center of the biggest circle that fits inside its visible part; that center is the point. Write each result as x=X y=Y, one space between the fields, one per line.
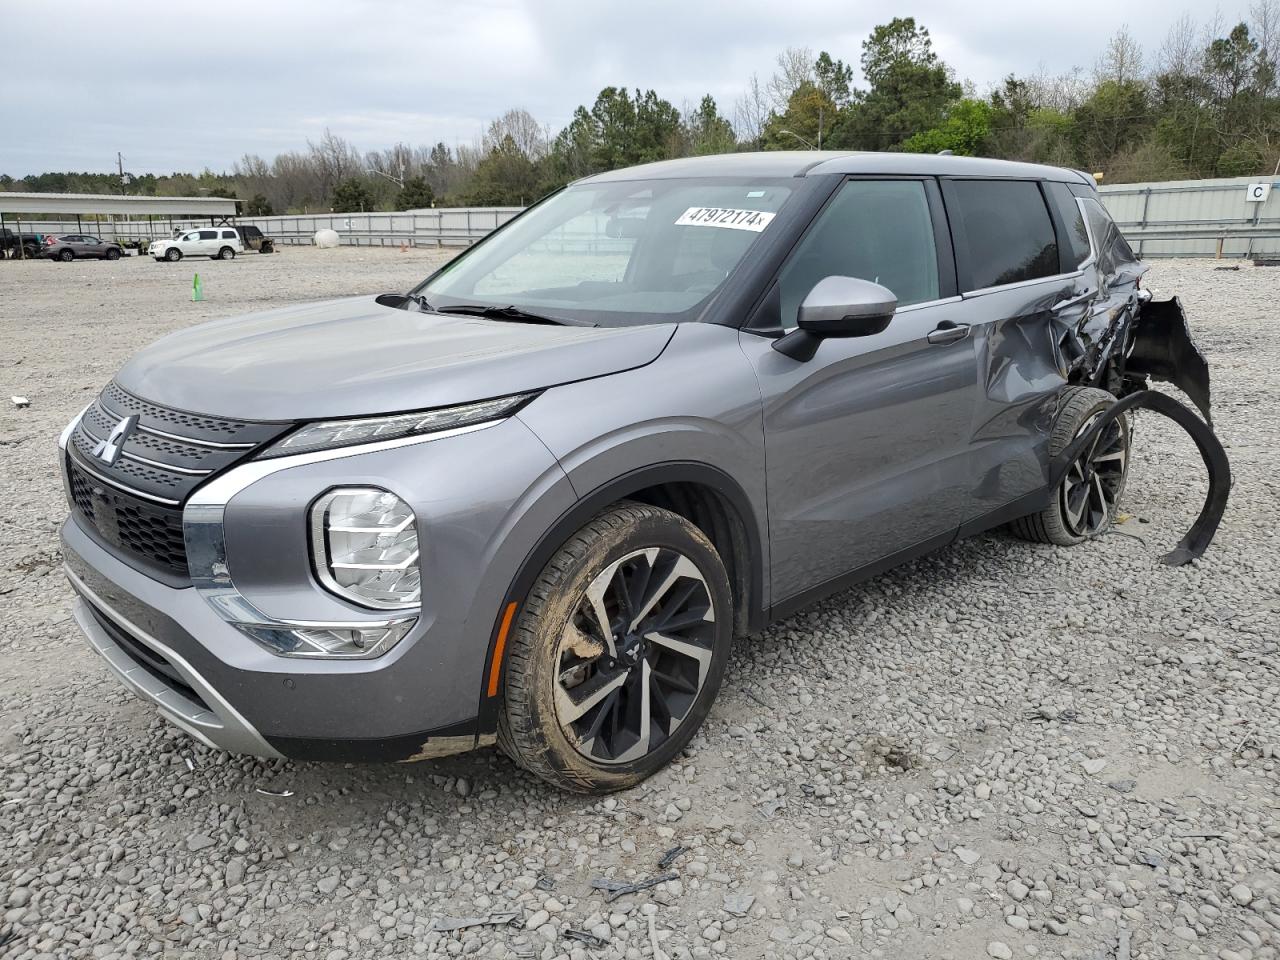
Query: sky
x=187 y=86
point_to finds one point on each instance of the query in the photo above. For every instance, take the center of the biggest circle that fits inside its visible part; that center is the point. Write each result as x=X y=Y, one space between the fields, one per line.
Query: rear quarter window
x=1076 y=236
x=1002 y=231
x=1113 y=250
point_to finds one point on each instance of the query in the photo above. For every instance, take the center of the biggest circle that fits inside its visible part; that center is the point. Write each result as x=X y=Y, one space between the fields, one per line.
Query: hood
x=354 y=357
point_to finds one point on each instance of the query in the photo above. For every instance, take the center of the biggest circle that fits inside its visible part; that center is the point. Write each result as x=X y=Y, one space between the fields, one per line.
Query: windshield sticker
x=753 y=220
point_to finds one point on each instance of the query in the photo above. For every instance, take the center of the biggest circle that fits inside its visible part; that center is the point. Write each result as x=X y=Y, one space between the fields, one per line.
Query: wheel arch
x=705 y=495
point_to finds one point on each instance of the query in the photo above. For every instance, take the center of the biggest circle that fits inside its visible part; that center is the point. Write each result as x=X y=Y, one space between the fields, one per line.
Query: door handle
x=948 y=332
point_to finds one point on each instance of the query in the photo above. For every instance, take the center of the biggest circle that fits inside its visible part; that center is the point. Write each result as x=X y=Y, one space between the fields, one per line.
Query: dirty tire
x=173 y=254
x=1079 y=405
x=529 y=730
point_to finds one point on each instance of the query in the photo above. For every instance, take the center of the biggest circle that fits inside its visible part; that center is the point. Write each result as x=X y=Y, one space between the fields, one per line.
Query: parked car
x=254 y=239
x=77 y=247
x=533 y=500
x=219 y=243
x=18 y=245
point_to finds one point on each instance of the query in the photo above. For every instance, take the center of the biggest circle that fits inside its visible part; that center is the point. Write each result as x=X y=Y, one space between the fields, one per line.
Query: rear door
x=1016 y=279
x=867 y=443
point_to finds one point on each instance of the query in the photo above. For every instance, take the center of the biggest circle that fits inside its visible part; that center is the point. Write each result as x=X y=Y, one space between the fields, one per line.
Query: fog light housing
x=364 y=546
x=330 y=641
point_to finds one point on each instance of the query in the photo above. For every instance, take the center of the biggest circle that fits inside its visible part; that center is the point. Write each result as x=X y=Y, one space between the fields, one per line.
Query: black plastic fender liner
x=1163 y=350
x=1198 y=538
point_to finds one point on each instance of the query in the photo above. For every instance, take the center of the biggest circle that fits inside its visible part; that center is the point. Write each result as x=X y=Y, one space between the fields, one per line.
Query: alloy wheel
x=634 y=655
x=1093 y=483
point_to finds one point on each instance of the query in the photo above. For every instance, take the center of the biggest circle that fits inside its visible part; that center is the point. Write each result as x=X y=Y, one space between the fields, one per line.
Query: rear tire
x=66 y=256
x=594 y=715
x=226 y=253
x=173 y=254
x=1085 y=503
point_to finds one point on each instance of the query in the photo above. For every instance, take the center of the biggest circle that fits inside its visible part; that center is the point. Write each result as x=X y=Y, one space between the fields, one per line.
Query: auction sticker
x=753 y=220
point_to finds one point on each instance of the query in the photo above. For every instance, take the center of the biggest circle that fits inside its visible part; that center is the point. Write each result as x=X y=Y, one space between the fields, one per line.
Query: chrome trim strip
x=196 y=443
x=227 y=484
x=232 y=732
x=927 y=303
x=164 y=466
x=65 y=436
x=1056 y=278
x=205 y=538
x=80 y=464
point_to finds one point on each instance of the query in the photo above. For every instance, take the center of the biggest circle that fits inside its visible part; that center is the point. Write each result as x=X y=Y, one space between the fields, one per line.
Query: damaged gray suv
x=533 y=500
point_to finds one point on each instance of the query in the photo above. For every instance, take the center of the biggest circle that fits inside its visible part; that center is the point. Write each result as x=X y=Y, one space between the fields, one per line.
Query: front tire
x=618 y=652
x=173 y=254
x=1084 y=505
x=113 y=254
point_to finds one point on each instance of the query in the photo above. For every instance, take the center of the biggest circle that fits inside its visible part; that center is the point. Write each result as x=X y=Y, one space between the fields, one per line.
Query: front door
x=867 y=443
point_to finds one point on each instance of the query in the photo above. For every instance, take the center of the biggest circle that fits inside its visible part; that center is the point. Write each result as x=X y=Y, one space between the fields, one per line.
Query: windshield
x=638 y=251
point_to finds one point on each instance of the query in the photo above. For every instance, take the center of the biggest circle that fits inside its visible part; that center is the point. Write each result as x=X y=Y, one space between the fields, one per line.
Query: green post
x=197 y=291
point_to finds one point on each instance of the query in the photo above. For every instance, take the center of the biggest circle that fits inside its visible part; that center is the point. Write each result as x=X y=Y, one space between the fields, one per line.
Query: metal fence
x=1198 y=218
x=443 y=227
x=1190 y=218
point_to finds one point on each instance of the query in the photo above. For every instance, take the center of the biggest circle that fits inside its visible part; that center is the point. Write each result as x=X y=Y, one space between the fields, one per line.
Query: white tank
x=326 y=239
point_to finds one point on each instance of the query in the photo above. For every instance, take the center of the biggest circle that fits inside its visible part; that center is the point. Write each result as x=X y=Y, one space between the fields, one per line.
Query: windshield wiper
x=510 y=312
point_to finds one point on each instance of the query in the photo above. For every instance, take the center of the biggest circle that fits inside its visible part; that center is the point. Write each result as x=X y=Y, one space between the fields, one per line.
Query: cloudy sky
x=184 y=86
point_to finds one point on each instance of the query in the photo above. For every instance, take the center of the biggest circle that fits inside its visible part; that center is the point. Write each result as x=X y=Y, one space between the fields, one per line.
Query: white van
x=220 y=243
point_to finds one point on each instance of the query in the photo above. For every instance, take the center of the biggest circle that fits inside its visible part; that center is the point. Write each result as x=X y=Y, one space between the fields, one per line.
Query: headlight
x=364 y=545
x=344 y=433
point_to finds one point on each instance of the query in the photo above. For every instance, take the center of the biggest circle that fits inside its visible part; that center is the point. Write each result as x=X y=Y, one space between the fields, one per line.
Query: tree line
x=1205 y=103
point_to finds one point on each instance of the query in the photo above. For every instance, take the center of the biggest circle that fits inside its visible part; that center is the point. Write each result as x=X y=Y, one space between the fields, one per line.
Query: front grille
x=151 y=531
x=135 y=503
x=184 y=424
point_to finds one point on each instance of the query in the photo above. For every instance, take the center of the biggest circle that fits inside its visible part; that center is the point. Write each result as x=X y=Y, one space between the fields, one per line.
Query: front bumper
x=423 y=698
x=160 y=642
x=163 y=678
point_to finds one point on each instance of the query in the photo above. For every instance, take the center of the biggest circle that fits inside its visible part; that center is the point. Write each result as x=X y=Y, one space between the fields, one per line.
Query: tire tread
x=519 y=734
x=1048 y=525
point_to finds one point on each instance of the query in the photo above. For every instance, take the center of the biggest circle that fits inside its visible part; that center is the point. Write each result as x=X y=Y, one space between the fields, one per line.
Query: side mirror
x=838 y=307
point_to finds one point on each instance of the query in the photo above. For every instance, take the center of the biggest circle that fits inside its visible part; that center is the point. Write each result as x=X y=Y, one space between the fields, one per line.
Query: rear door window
x=877 y=230
x=208 y=234
x=1002 y=231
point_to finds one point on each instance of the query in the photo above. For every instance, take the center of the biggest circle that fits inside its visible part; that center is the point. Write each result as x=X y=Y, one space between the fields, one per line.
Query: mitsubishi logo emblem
x=108 y=450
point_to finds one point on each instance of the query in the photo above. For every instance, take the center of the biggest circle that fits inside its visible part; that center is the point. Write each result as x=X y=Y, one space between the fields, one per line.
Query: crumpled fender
x=1198 y=538
x=1163 y=350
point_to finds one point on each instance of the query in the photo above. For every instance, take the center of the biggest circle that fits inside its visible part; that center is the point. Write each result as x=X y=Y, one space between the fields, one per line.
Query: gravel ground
x=1004 y=750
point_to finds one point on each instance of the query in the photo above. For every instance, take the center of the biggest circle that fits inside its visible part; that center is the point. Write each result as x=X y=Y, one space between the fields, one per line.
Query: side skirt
x=1031 y=503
